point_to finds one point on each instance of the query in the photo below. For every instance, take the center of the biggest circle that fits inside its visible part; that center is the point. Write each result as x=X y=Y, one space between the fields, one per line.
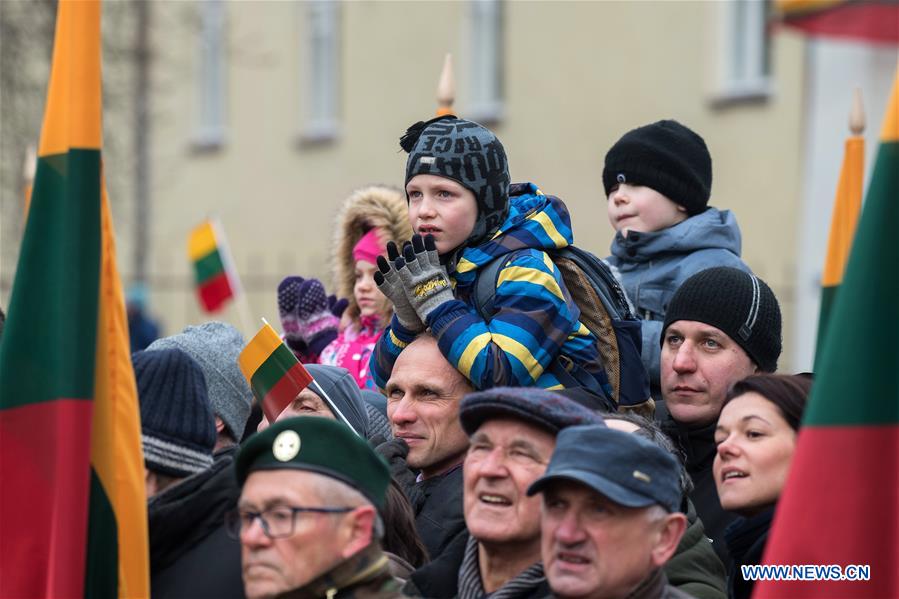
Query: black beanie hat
x=469 y=154
x=176 y=420
x=738 y=303
x=667 y=157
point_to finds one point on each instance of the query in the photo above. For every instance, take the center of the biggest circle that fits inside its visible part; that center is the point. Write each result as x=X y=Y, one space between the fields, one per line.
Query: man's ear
x=219 y=425
x=360 y=530
x=669 y=536
x=681 y=208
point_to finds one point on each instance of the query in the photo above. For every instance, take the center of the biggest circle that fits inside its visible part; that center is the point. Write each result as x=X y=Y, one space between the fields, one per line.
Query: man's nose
x=684 y=359
x=402 y=412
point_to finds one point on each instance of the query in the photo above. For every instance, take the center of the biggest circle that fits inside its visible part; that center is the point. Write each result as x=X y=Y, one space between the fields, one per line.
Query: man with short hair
x=609 y=525
x=308 y=515
x=512 y=435
x=722 y=325
x=423 y=396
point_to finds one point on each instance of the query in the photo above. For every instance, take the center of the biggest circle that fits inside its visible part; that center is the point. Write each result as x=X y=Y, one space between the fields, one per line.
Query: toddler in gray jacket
x=658 y=180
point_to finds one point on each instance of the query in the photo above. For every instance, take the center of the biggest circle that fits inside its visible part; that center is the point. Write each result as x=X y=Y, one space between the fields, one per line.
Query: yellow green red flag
x=212 y=266
x=72 y=506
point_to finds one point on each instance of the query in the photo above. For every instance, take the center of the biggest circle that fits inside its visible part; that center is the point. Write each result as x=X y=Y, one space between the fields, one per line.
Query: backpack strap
x=485 y=285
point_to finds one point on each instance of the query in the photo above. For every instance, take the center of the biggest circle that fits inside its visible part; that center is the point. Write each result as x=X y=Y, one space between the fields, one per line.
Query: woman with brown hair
x=756 y=438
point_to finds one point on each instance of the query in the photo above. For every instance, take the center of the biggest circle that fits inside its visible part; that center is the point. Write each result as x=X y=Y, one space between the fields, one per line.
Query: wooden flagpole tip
x=857 y=114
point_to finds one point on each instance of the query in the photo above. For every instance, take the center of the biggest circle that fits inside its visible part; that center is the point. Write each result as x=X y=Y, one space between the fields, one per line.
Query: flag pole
x=446 y=87
x=244 y=314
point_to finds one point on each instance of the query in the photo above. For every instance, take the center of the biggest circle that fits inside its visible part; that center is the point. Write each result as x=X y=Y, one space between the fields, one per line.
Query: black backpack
x=604 y=310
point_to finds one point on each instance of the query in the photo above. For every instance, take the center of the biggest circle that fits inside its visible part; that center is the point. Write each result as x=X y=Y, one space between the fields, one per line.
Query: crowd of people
x=456 y=447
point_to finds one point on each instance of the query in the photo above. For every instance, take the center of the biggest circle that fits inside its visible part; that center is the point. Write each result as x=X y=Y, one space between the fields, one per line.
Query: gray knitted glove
x=424 y=278
x=388 y=281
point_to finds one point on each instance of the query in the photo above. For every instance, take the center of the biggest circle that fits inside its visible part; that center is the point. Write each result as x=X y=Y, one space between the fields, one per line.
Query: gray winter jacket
x=651 y=266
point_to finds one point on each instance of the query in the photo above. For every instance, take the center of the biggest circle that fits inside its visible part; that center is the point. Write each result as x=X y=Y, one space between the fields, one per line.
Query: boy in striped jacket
x=465 y=214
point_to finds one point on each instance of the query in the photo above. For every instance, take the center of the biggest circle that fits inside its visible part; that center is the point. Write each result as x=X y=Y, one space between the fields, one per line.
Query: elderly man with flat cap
x=610 y=516
x=512 y=433
x=308 y=515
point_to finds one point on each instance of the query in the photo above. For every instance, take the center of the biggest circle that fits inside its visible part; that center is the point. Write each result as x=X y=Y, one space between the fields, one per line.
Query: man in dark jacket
x=722 y=325
x=423 y=396
x=512 y=434
x=609 y=525
x=308 y=516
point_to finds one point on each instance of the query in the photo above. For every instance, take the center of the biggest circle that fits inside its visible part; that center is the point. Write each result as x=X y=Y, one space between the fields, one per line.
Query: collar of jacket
x=470 y=585
x=369 y=566
x=651 y=588
x=698 y=444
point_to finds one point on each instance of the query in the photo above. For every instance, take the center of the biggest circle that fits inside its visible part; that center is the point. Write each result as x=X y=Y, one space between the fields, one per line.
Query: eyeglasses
x=277 y=522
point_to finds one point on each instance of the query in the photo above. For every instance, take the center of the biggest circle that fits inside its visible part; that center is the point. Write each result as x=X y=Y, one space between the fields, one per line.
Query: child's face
x=642 y=209
x=443 y=208
x=369 y=299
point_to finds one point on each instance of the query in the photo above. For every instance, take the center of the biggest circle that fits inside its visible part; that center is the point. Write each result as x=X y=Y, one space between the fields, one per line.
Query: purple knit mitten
x=288 y=297
x=317 y=326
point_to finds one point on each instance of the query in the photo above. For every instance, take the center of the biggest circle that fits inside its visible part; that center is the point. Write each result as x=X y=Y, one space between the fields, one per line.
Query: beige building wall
x=577 y=75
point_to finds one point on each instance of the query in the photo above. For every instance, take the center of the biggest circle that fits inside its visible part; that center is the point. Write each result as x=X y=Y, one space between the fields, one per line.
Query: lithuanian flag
x=867 y=20
x=273 y=371
x=839 y=503
x=73 y=518
x=846 y=208
x=213 y=273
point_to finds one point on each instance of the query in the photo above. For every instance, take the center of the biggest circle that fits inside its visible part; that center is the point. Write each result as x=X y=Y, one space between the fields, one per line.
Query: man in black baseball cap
x=308 y=516
x=609 y=517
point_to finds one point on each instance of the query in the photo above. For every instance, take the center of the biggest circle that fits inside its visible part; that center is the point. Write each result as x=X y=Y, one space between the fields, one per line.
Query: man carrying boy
x=658 y=179
x=457 y=185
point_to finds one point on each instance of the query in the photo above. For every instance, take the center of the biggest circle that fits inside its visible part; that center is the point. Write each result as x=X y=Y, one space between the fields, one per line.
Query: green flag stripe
x=208 y=267
x=50 y=337
x=272 y=370
x=101 y=577
x=828 y=294
x=858 y=374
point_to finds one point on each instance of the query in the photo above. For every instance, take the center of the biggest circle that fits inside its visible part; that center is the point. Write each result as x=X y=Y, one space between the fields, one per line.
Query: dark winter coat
x=651 y=266
x=698 y=445
x=746 y=538
x=656 y=587
x=191 y=555
x=437 y=503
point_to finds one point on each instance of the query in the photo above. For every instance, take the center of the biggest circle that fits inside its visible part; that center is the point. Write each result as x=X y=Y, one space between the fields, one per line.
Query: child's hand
x=388 y=281
x=424 y=278
x=316 y=325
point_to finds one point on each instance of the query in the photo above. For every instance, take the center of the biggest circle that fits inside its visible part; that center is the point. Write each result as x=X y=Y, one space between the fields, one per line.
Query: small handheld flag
x=276 y=376
x=214 y=275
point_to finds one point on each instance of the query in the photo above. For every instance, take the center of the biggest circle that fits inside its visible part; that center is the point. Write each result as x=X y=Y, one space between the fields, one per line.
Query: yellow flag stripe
x=530 y=275
x=116 y=453
x=890 y=130
x=201 y=242
x=846 y=209
x=72 y=118
x=258 y=350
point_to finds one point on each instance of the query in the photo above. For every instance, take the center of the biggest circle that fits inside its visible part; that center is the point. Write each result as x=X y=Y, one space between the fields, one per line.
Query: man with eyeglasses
x=307 y=519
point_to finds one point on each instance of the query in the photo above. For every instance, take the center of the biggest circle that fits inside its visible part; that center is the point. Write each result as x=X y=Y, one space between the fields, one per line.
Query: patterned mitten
x=317 y=326
x=288 y=296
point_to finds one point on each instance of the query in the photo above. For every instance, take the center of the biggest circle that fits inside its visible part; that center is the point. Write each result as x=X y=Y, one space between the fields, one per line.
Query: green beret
x=318 y=445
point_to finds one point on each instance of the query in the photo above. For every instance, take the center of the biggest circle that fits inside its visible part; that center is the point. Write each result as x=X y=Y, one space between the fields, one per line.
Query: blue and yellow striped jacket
x=535 y=321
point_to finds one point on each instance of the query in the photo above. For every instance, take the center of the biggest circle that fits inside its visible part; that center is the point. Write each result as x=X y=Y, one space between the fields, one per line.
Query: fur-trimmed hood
x=377 y=206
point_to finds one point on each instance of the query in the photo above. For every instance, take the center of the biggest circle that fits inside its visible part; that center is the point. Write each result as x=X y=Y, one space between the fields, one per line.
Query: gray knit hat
x=215 y=346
